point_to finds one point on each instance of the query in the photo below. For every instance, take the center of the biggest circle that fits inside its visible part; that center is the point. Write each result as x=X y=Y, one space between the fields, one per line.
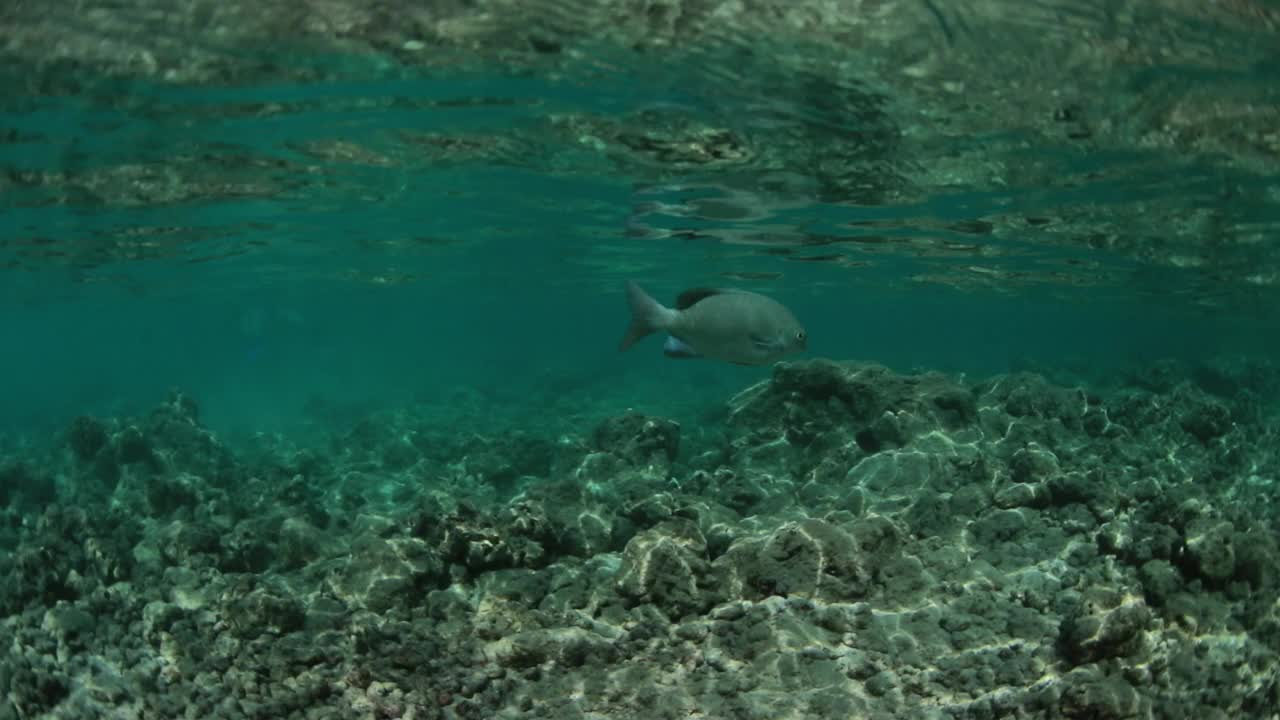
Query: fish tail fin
x=647 y=316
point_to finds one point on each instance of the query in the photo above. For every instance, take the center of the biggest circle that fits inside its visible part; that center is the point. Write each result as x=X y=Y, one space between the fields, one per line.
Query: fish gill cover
x=312 y=405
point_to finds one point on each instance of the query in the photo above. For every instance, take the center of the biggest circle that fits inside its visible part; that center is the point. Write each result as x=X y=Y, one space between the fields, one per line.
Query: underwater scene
x=639 y=359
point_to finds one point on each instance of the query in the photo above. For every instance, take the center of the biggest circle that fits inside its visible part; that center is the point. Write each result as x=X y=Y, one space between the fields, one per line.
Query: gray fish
x=723 y=324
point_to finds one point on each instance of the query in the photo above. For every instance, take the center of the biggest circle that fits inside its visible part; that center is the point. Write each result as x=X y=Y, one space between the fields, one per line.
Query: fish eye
x=800 y=335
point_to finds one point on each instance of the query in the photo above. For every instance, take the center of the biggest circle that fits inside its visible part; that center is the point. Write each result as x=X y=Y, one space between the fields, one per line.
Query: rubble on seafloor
x=852 y=542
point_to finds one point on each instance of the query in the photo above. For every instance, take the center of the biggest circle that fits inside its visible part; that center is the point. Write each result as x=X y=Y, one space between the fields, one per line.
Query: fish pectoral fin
x=765 y=343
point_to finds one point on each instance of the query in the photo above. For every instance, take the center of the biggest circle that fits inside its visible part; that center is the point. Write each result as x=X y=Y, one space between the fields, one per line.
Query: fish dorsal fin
x=692 y=296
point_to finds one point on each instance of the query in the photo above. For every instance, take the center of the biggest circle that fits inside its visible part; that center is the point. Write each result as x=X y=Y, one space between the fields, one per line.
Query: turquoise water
x=395 y=231
x=311 y=401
